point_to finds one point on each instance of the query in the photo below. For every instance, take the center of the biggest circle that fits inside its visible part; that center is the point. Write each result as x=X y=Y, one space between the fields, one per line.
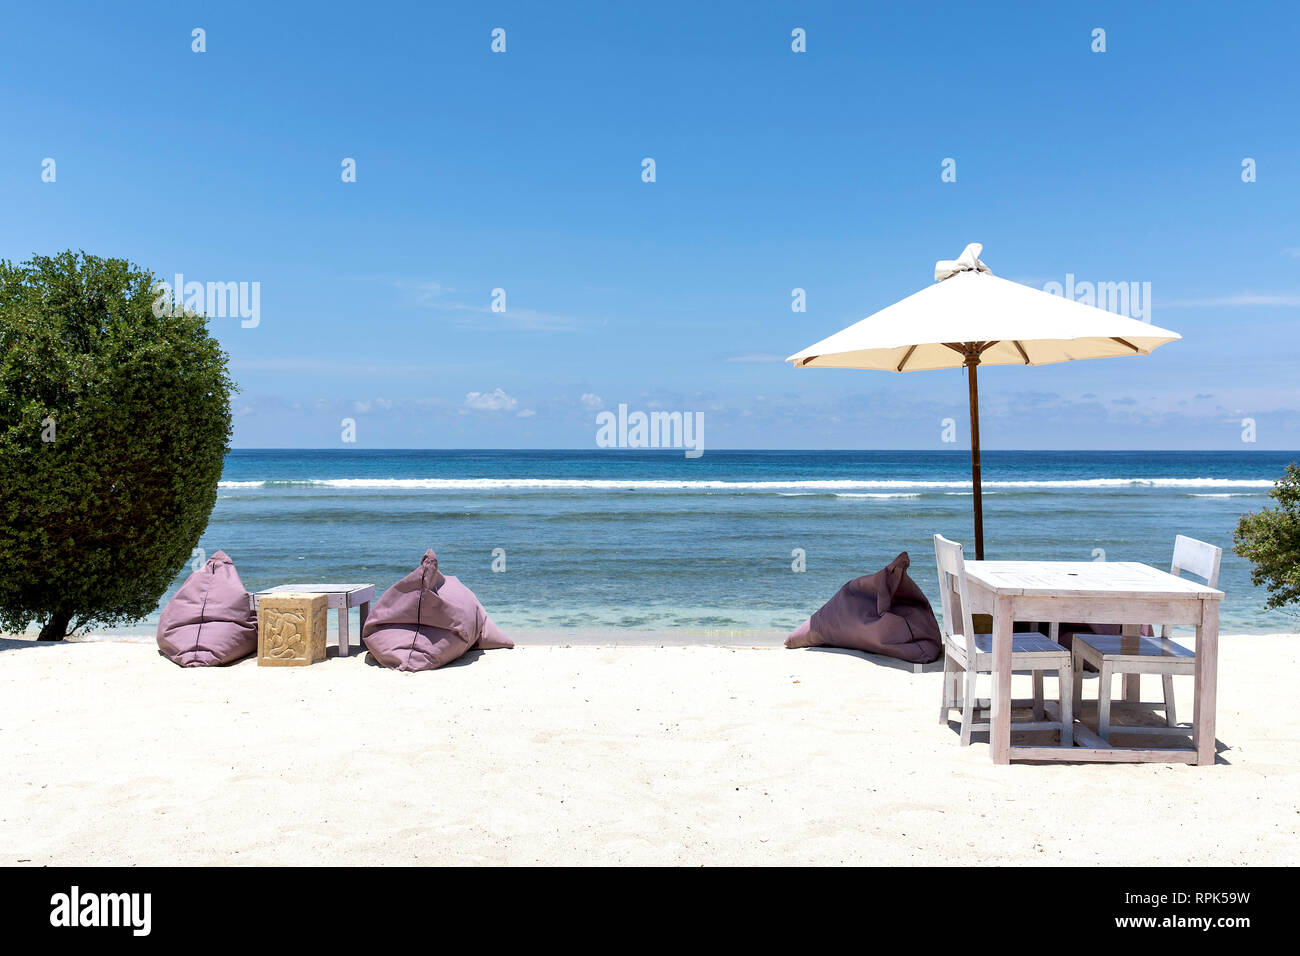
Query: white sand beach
x=110 y=754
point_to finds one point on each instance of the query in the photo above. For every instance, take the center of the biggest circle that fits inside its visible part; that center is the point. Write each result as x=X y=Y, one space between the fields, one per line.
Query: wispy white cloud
x=1245 y=298
x=439 y=297
x=1011 y=417
x=424 y=291
x=346 y=366
x=494 y=401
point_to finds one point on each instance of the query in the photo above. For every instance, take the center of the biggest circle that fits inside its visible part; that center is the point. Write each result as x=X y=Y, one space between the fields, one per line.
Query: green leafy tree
x=1270 y=539
x=114 y=423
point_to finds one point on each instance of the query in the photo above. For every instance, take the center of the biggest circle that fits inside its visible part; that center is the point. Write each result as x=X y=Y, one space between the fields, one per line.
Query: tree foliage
x=114 y=424
x=1270 y=539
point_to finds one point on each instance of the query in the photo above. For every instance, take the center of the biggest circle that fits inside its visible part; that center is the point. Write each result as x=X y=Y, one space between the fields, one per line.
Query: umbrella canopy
x=970 y=317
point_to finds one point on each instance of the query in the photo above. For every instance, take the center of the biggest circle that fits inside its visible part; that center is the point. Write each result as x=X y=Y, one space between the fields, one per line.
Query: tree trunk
x=56 y=628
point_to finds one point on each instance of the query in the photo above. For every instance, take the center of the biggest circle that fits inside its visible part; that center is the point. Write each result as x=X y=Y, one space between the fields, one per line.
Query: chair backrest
x=1198 y=557
x=952 y=592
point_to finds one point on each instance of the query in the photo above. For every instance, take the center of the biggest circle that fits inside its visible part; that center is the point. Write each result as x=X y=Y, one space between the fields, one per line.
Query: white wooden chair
x=1113 y=655
x=970 y=654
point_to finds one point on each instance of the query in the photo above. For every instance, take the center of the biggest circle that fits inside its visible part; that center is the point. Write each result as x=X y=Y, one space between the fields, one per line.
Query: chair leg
x=1065 y=679
x=968 y=708
x=1171 y=718
x=1038 y=695
x=1103 y=702
x=1076 y=669
x=945 y=705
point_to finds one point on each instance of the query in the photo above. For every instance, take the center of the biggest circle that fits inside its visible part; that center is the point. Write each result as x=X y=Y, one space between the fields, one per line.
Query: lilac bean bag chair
x=210 y=620
x=427 y=620
x=881 y=613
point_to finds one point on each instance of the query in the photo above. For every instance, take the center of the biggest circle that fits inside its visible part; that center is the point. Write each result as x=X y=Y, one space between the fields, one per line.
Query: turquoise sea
x=630 y=542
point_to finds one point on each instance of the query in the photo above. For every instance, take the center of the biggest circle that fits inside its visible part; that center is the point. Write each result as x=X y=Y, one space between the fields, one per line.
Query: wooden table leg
x=1129 y=645
x=344 y=639
x=1207 y=674
x=1000 y=725
x=363 y=612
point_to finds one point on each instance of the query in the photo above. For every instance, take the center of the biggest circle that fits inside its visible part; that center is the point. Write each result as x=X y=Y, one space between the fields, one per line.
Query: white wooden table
x=1096 y=592
x=342 y=597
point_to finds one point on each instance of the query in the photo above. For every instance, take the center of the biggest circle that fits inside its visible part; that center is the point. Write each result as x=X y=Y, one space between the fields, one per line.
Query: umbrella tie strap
x=968 y=261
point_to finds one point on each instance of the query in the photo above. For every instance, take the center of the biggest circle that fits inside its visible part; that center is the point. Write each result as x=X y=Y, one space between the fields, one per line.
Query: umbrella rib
x=905 y=358
x=1021 y=349
x=1127 y=342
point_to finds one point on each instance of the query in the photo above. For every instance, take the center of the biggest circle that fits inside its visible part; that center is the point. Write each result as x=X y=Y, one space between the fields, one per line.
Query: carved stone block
x=291 y=629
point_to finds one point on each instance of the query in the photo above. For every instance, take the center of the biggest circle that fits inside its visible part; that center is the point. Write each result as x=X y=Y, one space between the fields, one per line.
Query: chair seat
x=1112 y=647
x=1025 y=643
x=1022 y=644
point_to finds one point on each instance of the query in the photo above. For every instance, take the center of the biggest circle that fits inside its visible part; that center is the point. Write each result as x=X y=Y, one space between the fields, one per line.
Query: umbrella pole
x=972 y=380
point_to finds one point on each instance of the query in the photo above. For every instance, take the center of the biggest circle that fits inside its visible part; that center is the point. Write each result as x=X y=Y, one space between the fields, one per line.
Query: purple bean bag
x=881 y=613
x=210 y=620
x=427 y=620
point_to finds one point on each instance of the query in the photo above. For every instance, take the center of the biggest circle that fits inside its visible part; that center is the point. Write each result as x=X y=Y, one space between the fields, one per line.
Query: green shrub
x=114 y=423
x=1270 y=539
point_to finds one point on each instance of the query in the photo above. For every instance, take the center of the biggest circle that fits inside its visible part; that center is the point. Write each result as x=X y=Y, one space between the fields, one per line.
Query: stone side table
x=340 y=597
x=291 y=629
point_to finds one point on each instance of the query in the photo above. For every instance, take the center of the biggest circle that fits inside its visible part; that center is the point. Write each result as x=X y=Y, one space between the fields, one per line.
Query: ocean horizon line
x=676 y=452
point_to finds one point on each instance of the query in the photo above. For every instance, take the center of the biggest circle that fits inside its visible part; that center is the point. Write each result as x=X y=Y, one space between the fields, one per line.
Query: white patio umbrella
x=971 y=317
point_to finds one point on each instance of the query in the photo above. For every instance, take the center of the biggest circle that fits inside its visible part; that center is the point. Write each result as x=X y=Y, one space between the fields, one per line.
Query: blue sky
x=775 y=170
